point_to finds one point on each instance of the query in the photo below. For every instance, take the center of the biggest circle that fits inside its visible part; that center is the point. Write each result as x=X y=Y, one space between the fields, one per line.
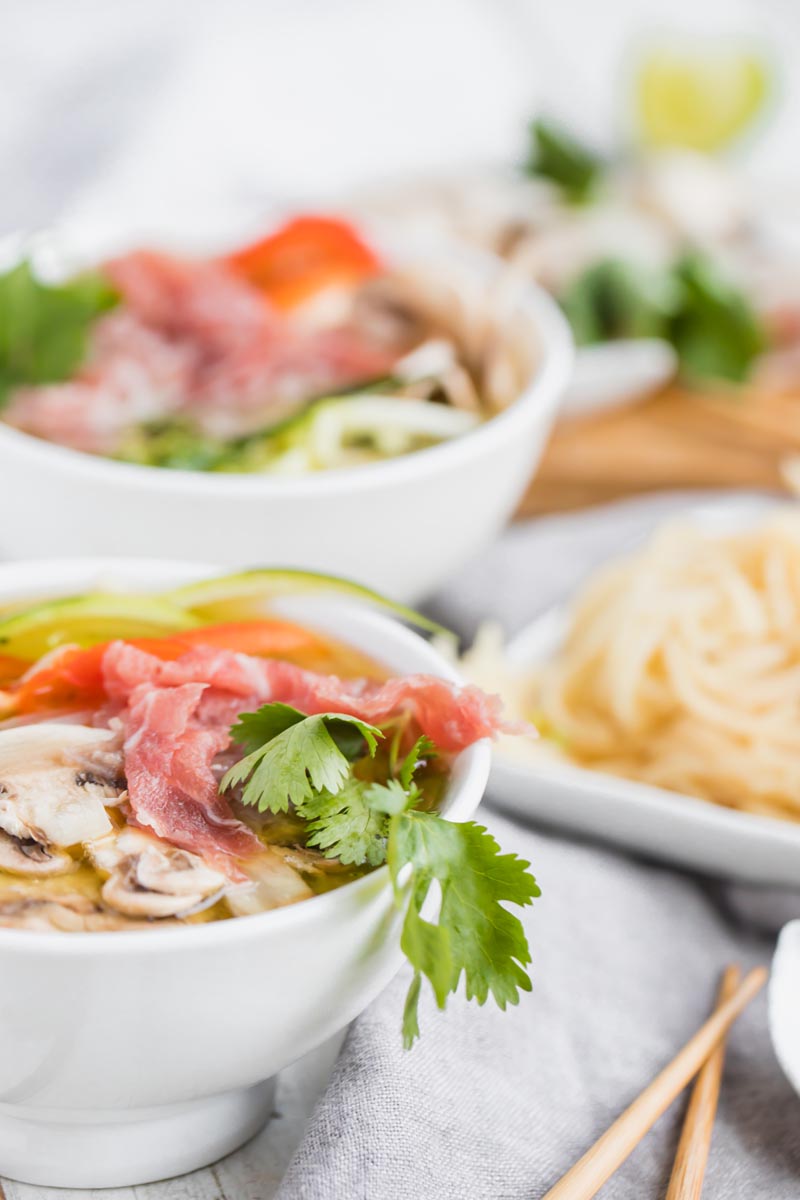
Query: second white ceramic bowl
x=128 y=1057
x=403 y=526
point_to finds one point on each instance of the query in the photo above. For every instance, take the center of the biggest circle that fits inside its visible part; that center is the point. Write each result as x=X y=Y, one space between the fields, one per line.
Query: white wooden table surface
x=252 y=1173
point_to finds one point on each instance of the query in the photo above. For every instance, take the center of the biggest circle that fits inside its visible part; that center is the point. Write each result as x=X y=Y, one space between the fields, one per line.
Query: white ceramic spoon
x=784 y=1000
x=618 y=374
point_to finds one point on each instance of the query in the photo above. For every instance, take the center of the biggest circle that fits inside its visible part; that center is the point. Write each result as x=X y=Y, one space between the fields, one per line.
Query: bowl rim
x=539 y=398
x=474 y=764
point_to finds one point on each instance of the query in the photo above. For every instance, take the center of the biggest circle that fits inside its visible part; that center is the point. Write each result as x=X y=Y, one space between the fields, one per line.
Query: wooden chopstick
x=597 y=1165
x=688 y=1172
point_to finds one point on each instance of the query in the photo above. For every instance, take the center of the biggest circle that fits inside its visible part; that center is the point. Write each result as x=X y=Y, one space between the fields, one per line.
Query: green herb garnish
x=347 y=824
x=474 y=934
x=172 y=442
x=614 y=298
x=44 y=329
x=691 y=304
x=715 y=331
x=309 y=761
x=296 y=756
x=558 y=156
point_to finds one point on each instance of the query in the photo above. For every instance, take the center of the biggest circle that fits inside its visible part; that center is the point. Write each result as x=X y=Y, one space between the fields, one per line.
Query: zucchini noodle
x=681 y=668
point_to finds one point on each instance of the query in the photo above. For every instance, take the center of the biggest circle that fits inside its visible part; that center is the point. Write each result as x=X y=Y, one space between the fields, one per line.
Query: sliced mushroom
x=102 y=762
x=433 y=357
x=150 y=878
x=67 y=913
x=382 y=311
x=433 y=371
x=24 y=856
x=43 y=797
x=273 y=883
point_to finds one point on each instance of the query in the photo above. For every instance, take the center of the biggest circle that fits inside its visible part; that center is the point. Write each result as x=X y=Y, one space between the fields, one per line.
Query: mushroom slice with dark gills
x=26 y=856
x=47 y=802
x=149 y=878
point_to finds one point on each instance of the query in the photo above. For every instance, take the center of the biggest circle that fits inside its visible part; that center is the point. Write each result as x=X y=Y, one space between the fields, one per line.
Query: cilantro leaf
x=713 y=327
x=350 y=737
x=422 y=750
x=43 y=328
x=346 y=825
x=392 y=797
x=614 y=298
x=558 y=156
x=716 y=331
x=352 y=825
x=254 y=729
x=298 y=755
x=428 y=947
x=411 y=1012
x=474 y=935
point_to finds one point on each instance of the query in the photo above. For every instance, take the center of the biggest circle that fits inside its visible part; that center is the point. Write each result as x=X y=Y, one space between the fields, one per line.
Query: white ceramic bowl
x=403 y=526
x=127 y=1057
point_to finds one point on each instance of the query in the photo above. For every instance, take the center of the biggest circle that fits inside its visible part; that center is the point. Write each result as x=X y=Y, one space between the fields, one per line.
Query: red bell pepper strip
x=11 y=668
x=303 y=257
x=74 y=678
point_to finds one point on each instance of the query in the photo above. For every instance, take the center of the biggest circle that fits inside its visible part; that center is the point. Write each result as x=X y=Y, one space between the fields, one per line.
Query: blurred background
x=187 y=114
x=141 y=105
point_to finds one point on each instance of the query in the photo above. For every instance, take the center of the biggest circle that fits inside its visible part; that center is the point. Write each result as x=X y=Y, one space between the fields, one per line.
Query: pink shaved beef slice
x=132 y=375
x=176 y=718
x=192 y=340
x=172 y=789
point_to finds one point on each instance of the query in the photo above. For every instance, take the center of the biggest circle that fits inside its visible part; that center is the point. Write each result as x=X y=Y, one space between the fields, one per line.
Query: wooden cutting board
x=677 y=439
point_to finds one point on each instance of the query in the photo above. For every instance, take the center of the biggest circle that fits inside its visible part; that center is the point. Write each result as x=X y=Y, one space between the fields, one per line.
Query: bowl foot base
x=123 y=1147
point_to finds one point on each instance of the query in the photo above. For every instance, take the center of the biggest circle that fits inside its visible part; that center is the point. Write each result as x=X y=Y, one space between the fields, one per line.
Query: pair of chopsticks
x=703 y=1053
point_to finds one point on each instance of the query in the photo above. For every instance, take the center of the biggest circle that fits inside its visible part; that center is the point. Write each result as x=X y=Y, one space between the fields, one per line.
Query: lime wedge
x=237 y=597
x=701 y=99
x=87 y=620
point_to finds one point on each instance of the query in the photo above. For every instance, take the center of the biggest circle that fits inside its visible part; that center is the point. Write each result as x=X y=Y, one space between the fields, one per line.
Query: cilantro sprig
x=452 y=879
x=555 y=154
x=294 y=756
x=474 y=934
x=715 y=330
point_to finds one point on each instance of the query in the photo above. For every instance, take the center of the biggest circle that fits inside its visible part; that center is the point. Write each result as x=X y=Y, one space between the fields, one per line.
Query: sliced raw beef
x=198 y=301
x=253 y=365
x=125 y=667
x=453 y=716
x=191 y=339
x=133 y=375
x=259 y=385
x=172 y=789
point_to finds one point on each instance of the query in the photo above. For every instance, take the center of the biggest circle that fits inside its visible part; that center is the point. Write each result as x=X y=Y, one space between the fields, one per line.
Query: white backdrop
x=143 y=106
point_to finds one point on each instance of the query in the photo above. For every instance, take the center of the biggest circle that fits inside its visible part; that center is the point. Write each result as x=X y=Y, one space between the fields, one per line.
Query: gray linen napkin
x=626 y=959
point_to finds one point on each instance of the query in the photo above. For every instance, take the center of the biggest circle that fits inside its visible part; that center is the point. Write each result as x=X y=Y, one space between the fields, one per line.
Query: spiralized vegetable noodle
x=681 y=668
